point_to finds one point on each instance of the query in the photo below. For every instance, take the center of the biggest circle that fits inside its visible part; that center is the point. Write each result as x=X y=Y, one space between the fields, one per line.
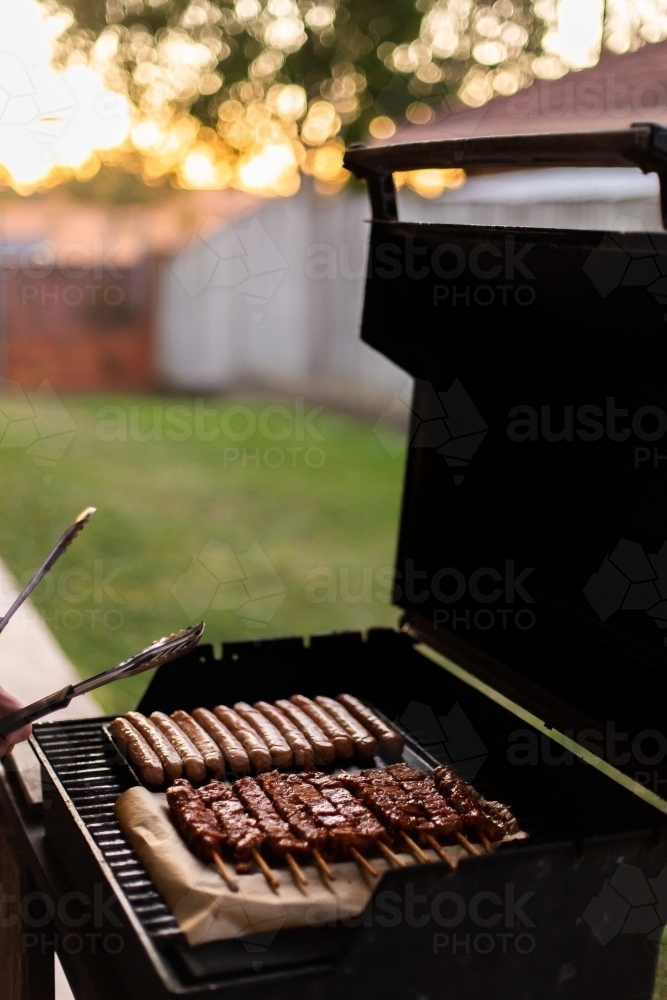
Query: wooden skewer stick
x=322 y=865
x=363 y=863
x=464 y=842
x=225 y=872
x=486 y=844
x=265 y=870
x=389 y=854
x=295 y=870
x=416 y=850
x=442 y=853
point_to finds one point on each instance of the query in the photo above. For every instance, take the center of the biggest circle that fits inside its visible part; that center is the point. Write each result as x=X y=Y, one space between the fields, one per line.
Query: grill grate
x=94 y=776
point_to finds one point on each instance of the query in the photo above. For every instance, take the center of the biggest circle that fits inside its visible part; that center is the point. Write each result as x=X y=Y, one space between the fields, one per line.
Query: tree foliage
x=216 y=82
x=366 y=58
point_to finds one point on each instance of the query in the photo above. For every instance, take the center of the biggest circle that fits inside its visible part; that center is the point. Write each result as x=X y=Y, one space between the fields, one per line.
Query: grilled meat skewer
x=459 y=795
x=198 y=826
x=278 y=838
x=397 y=809
x=334 y=824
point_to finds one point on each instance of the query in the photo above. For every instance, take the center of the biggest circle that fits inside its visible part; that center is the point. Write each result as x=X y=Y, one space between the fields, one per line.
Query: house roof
x=619 y=90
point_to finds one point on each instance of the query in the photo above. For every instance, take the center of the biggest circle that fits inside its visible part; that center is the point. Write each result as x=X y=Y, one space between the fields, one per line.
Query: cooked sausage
x=210 y=751
x=193 y=762
x=257 y=750
x=322 y=745
x=281 y=755
x=299 y=745
x=233 y=750
x=343 y=744
x=142 y=756
x=169 y=758
x=364 y=742
x=390 y=740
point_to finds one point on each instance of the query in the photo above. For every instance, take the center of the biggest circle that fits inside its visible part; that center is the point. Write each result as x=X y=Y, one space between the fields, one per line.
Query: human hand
x=9 y=704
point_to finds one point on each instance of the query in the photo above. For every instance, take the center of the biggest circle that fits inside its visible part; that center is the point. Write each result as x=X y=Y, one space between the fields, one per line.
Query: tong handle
x=159 y=652
x=30 y=713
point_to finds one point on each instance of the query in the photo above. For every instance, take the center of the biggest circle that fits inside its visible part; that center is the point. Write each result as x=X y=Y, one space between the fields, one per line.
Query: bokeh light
x=52 y=124
x=382 y=127
x=431 y=183
x=251 y=93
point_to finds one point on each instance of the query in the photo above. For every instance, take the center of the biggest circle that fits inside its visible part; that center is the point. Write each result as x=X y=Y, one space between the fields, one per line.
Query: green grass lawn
x=660 y=992
x=310 y=504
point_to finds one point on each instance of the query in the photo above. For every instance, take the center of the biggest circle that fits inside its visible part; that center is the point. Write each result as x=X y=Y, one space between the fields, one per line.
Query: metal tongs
x=64 y=543
x=155 y=655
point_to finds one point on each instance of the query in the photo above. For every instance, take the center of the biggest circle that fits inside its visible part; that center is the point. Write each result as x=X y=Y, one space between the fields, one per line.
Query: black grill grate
x=93 y=776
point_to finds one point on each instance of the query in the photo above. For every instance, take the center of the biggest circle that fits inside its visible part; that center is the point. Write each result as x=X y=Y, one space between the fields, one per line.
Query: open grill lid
x=533 y=538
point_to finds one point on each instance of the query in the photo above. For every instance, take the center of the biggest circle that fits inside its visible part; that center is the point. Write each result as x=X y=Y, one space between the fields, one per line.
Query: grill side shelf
x=93 y=775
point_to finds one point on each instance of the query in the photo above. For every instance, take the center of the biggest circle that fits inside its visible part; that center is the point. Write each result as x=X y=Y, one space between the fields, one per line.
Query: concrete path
x=32 y=665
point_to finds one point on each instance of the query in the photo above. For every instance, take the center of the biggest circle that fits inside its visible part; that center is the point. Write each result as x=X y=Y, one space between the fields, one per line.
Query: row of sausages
x=295 y=732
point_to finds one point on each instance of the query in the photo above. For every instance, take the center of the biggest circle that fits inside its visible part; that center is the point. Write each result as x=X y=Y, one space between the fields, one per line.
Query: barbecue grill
x=501 y=534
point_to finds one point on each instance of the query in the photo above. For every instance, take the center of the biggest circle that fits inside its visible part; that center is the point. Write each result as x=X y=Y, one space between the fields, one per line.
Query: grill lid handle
x=162 y=651
x=643 y=145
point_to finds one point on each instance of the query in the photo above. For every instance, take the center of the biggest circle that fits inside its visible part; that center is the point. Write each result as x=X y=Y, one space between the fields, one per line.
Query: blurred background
x=181 y=279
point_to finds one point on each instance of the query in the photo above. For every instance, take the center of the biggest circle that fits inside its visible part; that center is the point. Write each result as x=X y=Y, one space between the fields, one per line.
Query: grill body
x=508 y=924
